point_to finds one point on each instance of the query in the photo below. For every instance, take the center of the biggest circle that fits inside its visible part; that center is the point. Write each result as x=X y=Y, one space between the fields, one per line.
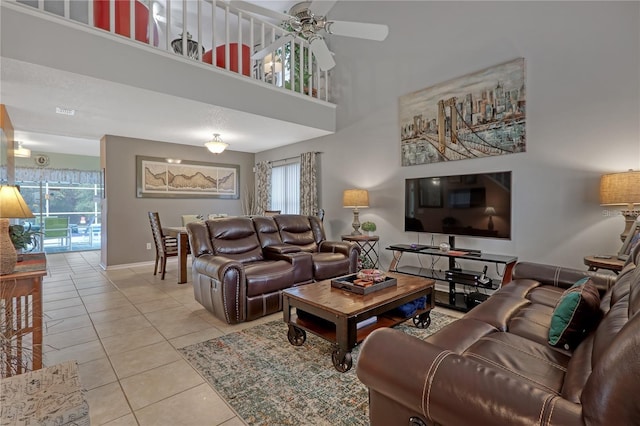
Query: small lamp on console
x=490 y=211
x=355 y=199
x=12 y=205
x=622 y=189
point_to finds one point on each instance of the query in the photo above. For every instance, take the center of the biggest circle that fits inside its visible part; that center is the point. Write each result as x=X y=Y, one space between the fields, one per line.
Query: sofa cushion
x=296 y=230
x=268 y=276
x=575 y=315
x=235 y=238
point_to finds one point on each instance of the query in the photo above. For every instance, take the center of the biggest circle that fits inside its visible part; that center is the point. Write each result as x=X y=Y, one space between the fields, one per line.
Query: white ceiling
x=32 y=93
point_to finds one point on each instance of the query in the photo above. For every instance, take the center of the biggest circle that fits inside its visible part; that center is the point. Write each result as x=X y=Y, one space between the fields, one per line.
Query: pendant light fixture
x=216 y=145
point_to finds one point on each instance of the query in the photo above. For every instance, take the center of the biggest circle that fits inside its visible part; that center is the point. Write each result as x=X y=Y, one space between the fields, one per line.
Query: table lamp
x=12 y=205
x=354 y=199
x=490 y=211
x=622 y=189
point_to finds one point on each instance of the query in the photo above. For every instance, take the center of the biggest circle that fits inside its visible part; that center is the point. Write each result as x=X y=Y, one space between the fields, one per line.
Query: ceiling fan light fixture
x=216 y=145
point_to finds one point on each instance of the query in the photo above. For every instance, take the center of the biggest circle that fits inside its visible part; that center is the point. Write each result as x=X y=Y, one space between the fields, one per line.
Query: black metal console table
x=369 y=246
x=453 y=301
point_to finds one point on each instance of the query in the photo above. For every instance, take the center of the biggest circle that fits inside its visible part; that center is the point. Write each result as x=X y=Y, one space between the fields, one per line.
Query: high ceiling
x=32 y=93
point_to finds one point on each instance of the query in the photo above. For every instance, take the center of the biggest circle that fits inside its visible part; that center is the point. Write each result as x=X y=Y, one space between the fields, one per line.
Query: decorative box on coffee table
x=348 y=282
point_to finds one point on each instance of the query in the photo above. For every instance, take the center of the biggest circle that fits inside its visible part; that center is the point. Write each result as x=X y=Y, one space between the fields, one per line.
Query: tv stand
x=455 y=298
x=452 y=246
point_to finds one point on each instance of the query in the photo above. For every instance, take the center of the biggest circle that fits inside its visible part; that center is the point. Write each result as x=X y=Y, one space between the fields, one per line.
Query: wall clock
x=41 y=160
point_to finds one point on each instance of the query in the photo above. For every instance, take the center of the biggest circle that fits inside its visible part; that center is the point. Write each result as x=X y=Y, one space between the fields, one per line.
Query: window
x=285 y=188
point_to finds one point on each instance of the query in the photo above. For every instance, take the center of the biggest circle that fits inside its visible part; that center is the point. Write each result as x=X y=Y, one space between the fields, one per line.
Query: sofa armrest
x=344 y=247
x=219 y=284
x=559 y=276
x=349 y=249
x=216 y=266
x=445 y=388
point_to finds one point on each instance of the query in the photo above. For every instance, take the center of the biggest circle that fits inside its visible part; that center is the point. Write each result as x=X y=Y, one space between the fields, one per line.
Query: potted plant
x=298 y=73
x=23 y=238
x=370 y=227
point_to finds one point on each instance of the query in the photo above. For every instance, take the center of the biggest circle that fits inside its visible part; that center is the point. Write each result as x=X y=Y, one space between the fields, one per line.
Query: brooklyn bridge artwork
x=478 y=115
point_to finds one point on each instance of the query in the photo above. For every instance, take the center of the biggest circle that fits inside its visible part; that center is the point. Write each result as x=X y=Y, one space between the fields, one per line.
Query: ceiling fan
x=306 y=20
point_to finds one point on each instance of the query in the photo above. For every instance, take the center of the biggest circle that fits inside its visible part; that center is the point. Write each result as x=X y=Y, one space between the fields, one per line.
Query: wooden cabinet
x=21 y=315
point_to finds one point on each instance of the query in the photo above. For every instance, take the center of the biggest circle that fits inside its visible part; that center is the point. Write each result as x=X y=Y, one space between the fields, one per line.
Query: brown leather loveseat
x=495 y=365
x=242 y=264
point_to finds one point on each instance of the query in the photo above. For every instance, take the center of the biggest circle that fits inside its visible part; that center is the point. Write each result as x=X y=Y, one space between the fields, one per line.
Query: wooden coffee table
x=333 y=314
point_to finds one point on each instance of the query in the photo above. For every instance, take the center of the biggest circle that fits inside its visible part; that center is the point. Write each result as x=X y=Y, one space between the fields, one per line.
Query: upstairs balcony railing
x=208 y=31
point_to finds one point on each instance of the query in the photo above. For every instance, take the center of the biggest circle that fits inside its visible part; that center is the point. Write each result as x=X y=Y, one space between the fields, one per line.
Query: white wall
x=583 y=109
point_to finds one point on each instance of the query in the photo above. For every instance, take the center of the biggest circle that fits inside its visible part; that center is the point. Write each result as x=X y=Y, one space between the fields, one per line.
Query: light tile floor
x=123 y=327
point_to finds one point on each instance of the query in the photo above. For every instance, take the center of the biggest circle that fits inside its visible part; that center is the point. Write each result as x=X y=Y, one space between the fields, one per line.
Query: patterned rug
x=270 y=382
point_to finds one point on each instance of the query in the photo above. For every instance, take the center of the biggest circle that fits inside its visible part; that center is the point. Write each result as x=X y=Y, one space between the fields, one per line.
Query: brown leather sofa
x=495 y=366
x=242 y=264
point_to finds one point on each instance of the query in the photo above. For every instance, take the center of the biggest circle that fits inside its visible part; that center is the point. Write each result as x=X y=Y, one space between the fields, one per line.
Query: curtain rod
x=289 y=158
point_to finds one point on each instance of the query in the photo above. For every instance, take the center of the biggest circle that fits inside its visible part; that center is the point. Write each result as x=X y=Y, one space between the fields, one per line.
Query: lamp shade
x=490 y=211
x=620 y=189
x=270 y=61
x=12 y=205
x=355 y=198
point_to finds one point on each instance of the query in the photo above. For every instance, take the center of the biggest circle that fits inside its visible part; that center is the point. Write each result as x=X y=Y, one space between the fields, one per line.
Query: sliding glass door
x=68 y=215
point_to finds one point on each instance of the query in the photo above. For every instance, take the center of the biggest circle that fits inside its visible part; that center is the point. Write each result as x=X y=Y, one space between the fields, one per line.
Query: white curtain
x=308 y=184
x=285 y=190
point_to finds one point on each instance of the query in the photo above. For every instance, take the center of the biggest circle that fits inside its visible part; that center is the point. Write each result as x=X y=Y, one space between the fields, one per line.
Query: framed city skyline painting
x=479 y=115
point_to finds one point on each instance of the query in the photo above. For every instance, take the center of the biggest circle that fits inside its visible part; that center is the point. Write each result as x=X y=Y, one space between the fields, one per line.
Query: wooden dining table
x=180 y=232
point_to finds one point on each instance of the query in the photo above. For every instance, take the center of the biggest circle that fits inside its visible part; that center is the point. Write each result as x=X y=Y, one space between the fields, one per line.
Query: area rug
x=270 y=382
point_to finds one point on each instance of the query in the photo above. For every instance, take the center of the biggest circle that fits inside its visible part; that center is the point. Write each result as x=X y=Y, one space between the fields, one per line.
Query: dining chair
x=165 y=246
x=188 y=218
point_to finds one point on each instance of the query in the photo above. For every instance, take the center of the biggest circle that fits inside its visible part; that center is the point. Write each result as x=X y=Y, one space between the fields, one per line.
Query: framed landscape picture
x=159 y=178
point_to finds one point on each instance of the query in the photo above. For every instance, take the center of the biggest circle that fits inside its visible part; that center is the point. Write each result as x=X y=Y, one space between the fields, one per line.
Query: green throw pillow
x=575 y=315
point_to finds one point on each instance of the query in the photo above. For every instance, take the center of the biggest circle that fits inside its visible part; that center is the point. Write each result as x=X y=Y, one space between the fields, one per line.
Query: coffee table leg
x=422 y=320
x=296 y=336
x=341 y=360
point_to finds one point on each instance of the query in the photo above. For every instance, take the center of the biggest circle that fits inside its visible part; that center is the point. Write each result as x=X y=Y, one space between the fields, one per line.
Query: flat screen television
x=476 y=205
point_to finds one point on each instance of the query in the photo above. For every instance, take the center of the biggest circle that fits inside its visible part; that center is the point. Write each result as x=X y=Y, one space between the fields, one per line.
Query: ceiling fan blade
x=272 y=47
x=364 y=30
x=321 y=7
x=322 y=54
x=259 y=10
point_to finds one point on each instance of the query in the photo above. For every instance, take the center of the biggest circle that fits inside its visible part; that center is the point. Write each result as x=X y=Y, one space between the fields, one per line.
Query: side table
x=21 y=300
x=610 y=262
x=368 y=245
